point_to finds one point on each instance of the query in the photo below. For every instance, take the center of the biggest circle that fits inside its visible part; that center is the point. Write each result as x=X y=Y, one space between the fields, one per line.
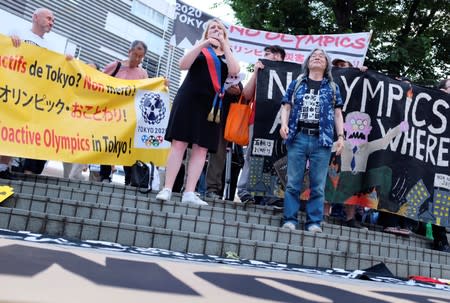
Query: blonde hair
x=221 y=25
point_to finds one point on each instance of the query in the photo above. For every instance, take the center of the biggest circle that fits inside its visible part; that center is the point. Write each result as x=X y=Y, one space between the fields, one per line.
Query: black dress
x=191 y=106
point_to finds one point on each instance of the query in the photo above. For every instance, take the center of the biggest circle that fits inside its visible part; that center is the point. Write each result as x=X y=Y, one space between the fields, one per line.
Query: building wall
x=101 y=31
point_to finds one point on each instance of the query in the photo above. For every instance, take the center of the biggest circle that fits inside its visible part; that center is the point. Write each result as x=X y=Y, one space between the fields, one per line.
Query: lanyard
x=215 y=72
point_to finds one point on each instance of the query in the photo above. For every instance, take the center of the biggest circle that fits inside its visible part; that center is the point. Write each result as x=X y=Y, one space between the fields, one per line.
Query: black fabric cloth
x=105 y=172
x=191 y=106
x=34 y=165
x=439 y=235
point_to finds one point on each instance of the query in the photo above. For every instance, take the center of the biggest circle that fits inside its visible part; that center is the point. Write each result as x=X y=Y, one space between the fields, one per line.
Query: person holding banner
x=271 y=52
x=128 y=69
x=195 y=116
x=439 y=232
x=311 y=109
x=42 y=23
x=349 y=209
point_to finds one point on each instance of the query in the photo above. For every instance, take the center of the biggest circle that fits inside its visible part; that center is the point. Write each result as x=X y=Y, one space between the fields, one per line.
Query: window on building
x=149 y=14
x=129 y=31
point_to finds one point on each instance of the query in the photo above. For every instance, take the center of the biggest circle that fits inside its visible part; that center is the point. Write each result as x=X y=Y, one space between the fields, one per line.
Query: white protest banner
x=248 y=44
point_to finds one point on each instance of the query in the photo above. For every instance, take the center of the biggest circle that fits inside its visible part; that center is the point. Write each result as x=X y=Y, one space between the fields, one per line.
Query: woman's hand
x=217 y=40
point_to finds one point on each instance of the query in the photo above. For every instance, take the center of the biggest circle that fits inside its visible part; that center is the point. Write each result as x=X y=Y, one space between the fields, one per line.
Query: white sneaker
x=191 y=198
x=289 y=225
x=164 y=194
x=314 y=228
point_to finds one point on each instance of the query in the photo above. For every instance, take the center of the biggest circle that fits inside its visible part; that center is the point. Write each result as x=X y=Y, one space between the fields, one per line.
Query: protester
x=439 y=232
x=42 y=23
x=196 y=108
x=444 y=85
x=216 y=161
x=350 y=210
x=307 y=119
x=128 y=69
x=341 y=63
x=274 y=53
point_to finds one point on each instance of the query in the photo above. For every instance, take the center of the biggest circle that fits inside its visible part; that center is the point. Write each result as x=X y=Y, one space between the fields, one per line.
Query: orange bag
x=236 y=127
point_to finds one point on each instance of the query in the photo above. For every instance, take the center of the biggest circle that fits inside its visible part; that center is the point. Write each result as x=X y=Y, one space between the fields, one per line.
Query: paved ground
x=41 y=272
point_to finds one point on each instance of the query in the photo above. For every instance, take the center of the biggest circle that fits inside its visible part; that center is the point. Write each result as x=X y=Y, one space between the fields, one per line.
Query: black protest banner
x=188 y=25
x=396 y=154
x=267 y=145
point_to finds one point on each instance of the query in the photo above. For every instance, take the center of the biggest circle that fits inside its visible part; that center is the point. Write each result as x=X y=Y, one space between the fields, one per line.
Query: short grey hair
x=137 y=43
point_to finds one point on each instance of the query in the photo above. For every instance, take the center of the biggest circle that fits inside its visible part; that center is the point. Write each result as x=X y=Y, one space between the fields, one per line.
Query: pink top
x=126 y=72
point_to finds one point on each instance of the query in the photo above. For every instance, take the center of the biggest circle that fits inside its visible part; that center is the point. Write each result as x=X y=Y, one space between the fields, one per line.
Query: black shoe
x=247 y=198
x=354 y=224
x=5 y=174
x=276 y=203
x=442 y=247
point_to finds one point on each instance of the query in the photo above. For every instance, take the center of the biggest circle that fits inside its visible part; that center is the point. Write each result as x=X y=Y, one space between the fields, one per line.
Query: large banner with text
x=248 y=44
x=59 y=109
x=397 y=142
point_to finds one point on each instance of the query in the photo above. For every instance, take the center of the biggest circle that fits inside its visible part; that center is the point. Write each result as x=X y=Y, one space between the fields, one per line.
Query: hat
x=336 y=61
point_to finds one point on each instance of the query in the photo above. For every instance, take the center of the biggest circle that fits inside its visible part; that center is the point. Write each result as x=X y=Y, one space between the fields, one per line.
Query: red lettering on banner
x=289 y=57
x=59 y=143
x=328 y=40
x=272 y=36
x=240 y=30
x=21 y=135
x=345 y=40
x=360 y=43
x=14 y=63
x=286 y=38
x=299 y=58
x=252 y=32
x=237 y=48
x=299 y=40
x=312 y=40
x=258 y=53
x=93 y=85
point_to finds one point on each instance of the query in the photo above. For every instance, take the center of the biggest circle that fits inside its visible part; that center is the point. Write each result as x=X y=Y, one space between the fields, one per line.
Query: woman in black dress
x=193 y=116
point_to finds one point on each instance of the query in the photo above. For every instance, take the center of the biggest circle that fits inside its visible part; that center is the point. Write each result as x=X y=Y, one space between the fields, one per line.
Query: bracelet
x=341 y=135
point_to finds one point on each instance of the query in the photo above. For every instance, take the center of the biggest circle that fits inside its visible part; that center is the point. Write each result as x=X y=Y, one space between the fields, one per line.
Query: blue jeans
x=306 y=147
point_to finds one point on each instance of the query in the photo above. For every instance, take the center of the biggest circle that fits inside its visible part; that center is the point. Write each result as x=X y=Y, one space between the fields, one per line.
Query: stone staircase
x=109 y=212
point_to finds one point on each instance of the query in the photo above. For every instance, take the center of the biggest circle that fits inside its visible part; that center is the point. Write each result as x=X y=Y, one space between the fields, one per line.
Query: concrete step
x=218 y=209
x=192 y=242
x=222 y=227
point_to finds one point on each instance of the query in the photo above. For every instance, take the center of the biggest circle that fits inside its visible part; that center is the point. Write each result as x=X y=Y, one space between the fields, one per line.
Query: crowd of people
x=312 y=123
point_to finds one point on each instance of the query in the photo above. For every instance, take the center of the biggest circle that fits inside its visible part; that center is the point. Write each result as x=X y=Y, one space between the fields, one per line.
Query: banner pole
x=170 y=61
x=367 y=48
x=160 y=56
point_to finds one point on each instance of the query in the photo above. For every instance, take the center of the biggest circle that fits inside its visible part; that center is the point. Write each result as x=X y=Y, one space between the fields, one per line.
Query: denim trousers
x=245 y=173
x=306 y=147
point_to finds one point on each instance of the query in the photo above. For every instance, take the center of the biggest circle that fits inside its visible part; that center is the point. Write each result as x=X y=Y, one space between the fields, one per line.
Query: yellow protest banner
x=58 y=109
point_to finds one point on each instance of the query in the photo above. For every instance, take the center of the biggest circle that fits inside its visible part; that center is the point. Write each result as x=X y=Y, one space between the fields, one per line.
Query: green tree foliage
x=410 y=37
